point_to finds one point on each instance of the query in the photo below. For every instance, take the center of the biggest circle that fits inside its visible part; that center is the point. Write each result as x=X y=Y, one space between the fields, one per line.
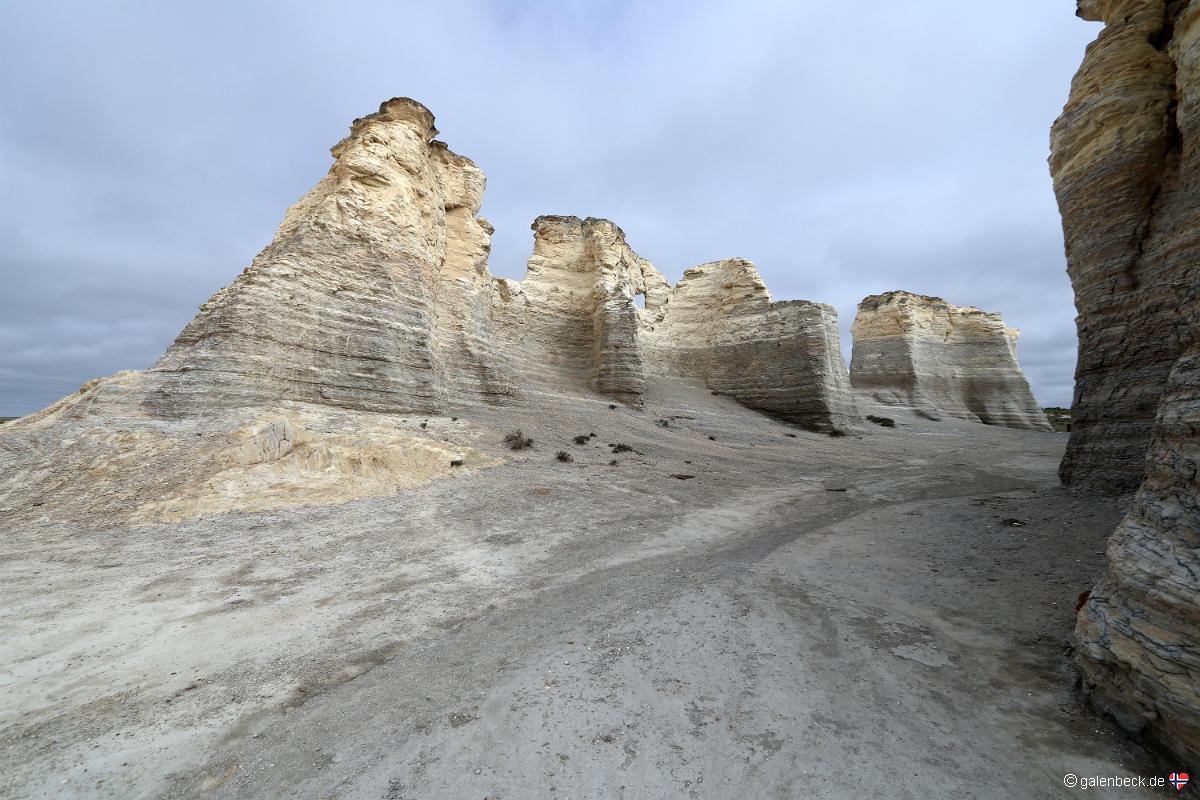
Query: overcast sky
x=148 y=150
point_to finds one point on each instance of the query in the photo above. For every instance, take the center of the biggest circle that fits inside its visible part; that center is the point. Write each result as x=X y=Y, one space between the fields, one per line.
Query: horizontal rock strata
x=939 y=359
x=1131 y=228
x=373 y=305
x=572 y=322
x=1139 y=633
x=720 y=326
x=1126 y=164
x=375 y=295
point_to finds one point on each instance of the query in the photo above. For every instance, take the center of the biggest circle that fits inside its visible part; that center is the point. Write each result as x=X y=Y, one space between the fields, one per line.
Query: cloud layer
x=148 y=150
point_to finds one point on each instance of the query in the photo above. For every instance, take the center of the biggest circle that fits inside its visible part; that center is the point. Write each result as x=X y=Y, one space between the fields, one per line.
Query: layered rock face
x=374 y=294
x=572 y=323
x=373 y=306
x=720 y=326
x=1120 y=154
x=939 y=359
x=1139 y=630
x=1127 y=170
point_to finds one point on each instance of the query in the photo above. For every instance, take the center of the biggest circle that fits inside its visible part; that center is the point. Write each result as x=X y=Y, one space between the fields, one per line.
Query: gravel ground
x=797 y=616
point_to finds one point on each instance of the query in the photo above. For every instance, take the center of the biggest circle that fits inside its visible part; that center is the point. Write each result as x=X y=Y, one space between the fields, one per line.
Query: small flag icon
x=1178 y=780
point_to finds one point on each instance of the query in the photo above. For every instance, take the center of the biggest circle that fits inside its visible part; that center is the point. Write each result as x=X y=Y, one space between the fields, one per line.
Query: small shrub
x=663 y=423
x=424 y=424
x=581 y=439
x=456 y=462
x=835 y=433
x=563 y=455
x=622 y=448
x=886 y=422
x=517 y=440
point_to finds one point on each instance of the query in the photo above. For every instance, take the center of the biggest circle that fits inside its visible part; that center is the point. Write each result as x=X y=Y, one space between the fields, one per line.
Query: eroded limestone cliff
x=923 y=353
x=1126 y=163
x=1131 y=226
x=305 y=379
x=720 y=326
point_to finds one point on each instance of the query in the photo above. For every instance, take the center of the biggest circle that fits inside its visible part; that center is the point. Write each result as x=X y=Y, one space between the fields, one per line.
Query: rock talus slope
x=1127 y=170
x=924 y=353
x=1131 y=228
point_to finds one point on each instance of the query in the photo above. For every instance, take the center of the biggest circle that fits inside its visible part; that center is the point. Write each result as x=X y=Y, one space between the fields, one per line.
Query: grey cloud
x=148 y=150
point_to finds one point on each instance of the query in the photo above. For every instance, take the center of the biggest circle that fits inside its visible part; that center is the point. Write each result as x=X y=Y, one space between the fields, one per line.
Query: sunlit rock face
x=940 y=359
x=1131 y=227
x=305 y=380
x=572 y=325
x=1127 y=171
x=374 y=294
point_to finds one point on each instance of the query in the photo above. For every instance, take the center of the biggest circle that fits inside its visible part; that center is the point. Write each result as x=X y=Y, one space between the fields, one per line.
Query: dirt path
x=806 y=616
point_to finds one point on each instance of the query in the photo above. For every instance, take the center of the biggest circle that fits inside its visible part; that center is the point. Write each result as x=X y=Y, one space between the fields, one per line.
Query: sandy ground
x=807 y=616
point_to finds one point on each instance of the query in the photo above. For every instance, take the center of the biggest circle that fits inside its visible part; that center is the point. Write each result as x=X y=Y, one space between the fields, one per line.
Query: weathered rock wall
x=1131 y=228
x=373 y=294
x=371 y=308
x=1139 y=631
x=575 y=326
x=720 y=326
x=1127 y=170
x=937 y=358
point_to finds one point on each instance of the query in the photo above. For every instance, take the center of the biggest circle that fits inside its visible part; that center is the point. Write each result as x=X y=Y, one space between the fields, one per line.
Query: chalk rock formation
x=937 y=358
x=374 y=294
x=1131 y=219
x=92 y=457
x=1126 y=162
x=301 y=381
x=572 y=323
x=720 y=326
